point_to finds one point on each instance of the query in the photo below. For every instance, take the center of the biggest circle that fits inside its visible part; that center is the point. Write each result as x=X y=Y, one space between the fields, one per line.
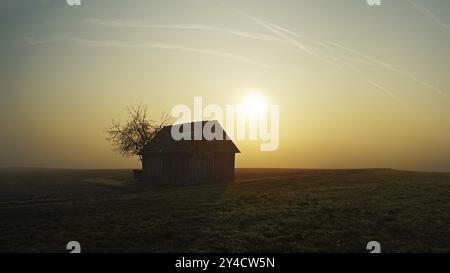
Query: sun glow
x=254 y=105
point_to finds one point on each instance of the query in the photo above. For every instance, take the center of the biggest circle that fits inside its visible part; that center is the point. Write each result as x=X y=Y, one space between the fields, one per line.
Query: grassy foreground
x=263 y=211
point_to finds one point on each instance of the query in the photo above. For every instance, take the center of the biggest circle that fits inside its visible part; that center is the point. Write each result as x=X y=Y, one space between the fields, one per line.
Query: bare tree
x=135 y=134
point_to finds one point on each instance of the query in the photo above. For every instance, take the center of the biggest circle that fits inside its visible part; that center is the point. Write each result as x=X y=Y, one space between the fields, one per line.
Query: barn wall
x=175 y=169
x=223 y=166
x=202 y=167
x=152 y=168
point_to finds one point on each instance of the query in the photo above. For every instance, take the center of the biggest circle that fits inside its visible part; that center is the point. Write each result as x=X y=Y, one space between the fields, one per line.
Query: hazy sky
x=357 y=86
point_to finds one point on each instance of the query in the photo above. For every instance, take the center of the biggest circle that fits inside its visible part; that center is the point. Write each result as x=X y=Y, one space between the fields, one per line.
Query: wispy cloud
x=95 y=43
x=32 y=41
x=428 y=13
x=278 y=34
x=124 y=24
x=151 y=45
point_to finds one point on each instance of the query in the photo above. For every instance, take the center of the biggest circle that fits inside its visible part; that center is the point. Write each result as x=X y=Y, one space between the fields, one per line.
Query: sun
x=254 y=104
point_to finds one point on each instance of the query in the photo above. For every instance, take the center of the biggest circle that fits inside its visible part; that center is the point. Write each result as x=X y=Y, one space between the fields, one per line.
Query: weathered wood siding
x=201 y=167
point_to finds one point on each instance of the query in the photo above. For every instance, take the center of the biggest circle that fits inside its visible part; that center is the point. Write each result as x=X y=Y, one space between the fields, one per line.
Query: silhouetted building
x=169 y=161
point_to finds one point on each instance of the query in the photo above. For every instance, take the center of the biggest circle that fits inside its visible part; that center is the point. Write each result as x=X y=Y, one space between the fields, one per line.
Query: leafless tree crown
x=131 y=137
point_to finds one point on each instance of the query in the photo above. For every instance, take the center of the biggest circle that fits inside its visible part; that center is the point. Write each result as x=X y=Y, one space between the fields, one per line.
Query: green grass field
x=265 y=210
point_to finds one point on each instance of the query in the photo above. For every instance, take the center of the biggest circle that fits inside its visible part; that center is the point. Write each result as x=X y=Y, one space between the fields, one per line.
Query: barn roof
x=164 y=143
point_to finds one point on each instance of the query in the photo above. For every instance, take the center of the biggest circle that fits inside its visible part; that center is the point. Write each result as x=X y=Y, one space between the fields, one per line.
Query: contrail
x=29 y=41
x=385 y=90
x=390 y=67
x=279 y=31
x=428 y=13
x=365 y=77
x=255 y=36
x=274 y=29
x=217 y=53
x=102 y=43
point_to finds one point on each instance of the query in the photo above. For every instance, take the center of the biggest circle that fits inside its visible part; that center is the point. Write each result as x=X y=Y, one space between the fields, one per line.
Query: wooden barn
x=170 y=161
